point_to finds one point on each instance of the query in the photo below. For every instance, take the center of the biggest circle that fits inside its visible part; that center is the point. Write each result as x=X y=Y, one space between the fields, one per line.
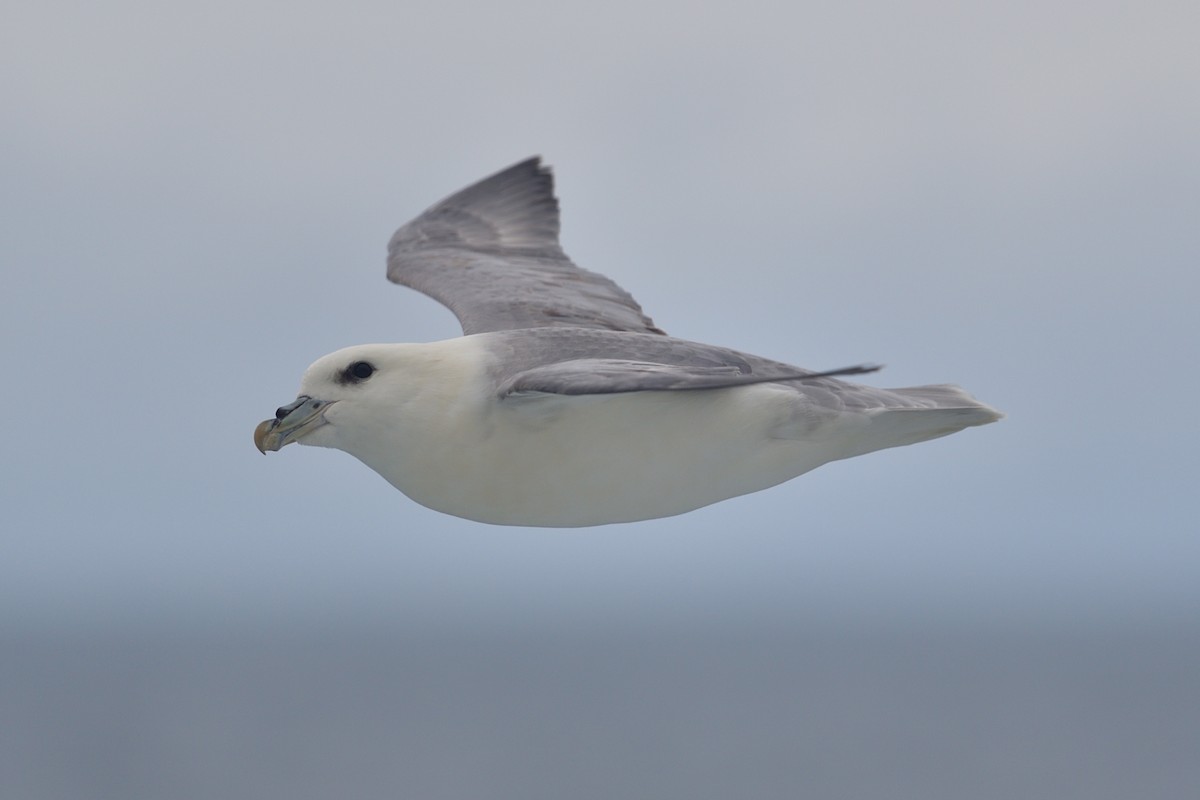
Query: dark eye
x=358 y=371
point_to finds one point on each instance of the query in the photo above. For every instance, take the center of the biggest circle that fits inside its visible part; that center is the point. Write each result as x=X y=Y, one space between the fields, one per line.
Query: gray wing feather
x=490 y=253
x=576 y=362
x=610 y=376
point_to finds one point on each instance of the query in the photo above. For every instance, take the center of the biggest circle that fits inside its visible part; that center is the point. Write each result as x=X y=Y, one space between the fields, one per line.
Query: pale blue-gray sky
x=197 y=201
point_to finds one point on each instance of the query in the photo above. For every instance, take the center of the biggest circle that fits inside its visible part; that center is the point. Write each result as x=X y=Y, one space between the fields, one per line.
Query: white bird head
x=349 y=397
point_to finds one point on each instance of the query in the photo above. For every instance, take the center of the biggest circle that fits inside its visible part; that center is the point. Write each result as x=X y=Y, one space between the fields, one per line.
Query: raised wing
x=490 y=253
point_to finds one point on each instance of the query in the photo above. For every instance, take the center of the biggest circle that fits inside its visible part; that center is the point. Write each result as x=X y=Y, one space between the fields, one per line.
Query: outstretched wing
x=490 y=253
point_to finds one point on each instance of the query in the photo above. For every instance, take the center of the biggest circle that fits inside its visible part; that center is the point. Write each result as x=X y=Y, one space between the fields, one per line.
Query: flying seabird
x=563 y=404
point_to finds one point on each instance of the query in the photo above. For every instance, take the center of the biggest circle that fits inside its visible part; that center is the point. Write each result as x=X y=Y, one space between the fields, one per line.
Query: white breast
x=572 y=461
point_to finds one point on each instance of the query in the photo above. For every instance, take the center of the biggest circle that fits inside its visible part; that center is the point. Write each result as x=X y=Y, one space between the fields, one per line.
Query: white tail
x=927 y=412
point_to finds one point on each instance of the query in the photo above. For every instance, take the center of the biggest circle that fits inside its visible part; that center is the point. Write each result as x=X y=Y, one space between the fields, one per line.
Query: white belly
x=567 y=462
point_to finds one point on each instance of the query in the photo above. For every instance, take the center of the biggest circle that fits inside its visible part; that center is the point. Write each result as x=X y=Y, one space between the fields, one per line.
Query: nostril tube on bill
x=283 y=411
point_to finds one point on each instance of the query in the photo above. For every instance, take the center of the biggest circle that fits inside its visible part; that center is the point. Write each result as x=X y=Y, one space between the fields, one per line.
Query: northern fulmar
x=563 y=404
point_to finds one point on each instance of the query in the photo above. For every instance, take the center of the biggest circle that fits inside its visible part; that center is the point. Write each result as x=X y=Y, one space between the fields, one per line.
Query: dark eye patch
x=357 y=372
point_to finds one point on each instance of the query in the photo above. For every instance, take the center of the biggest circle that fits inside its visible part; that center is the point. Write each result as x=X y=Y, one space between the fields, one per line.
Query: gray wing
x=611 y=376
x=490 y=253
x=571 y=362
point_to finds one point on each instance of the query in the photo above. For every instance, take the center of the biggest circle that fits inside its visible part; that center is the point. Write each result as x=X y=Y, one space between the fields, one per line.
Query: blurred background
x=196 y=205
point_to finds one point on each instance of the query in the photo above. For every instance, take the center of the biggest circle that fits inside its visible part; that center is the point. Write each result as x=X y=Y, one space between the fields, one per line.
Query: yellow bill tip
x=260 y=435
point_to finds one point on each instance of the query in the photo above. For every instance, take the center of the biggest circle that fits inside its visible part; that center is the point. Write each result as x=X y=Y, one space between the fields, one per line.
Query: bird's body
x=564 y=405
